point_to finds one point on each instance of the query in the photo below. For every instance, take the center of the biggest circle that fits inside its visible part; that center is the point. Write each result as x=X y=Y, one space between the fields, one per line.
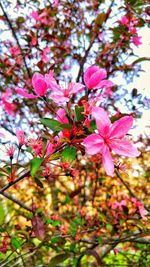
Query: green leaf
x=109 y=227
x=35 y=165
x=68 y=154
x=73 y=229
x=54 y=125
x=67 y=199
x=93 y=125
x=55 y=239
x=100 y=240
x=53 y=222
x=15 y=242
x=66 y=126
x=2 y=214
x=58 y=259
x=79 y=113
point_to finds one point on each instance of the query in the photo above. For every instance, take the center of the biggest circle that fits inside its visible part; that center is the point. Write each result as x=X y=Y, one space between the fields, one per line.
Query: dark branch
x=16 y=38
x=14 y=182
x=7 y=195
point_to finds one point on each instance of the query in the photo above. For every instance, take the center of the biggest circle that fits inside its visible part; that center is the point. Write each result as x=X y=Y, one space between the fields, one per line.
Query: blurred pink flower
x=34 y=15
x=124 y=21
x=21 y=137
x=8 y=107
x=45 y=58
x=56 y=3
x=143 y=212
x=110 y=137
x=137 y=40
x=14 y=50
x=10 y=151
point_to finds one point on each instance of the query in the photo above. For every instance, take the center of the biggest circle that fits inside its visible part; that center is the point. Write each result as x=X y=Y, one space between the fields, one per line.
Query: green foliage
x=15 y=242
x=35 y=165
x=79 y=113
x=54 y=125
x=68 y=154
x=59 y=259
x=2 y=214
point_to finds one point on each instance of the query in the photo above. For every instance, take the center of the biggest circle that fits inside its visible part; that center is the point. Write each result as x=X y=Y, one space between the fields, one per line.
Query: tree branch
x=21 y=204
x=14 y=182
x=128 y=188
x=91 y=44
x=16 y=38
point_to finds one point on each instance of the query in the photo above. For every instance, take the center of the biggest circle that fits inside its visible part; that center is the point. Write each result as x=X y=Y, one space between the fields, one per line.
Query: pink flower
x=94 y=78
x=9 y=107
x=59 y=94
x=124 y=21
x=21 y=137
x=39 y=84
x=10 y=151
x=37 y=146
x=110 y=137
x=143 y=212
x=132 y=30
x=56 y=3
x=34 y=15
x=45 y=58
x=137 y=40
x=15 y=51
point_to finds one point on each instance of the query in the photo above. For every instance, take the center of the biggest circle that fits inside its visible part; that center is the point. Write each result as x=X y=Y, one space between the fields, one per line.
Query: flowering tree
x=73 y=184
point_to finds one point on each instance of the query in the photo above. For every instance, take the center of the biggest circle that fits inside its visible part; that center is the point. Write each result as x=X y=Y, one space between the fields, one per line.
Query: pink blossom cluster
x=109 y=137
x=131 y=23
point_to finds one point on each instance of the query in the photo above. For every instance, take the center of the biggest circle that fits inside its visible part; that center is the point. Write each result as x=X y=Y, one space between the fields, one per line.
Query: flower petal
x=75 y=87
x=93 y=144
x=23 y=92
x=104 y=84
x=61 y=116
x=40 y=87
x=51 y=81
x=50 y=148
x=124 y=148
x=36 y=76
x=120 y=127
x=102 y=120
x=107 y=161
x=96 y=78
x=59 y=98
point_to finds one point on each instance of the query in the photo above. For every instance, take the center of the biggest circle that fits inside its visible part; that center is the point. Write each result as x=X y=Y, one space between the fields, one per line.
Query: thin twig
x=91 y=44
x=125 y=184
x=128 y=188
x=14 y=182
x=21 y=204
x=15 y=36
